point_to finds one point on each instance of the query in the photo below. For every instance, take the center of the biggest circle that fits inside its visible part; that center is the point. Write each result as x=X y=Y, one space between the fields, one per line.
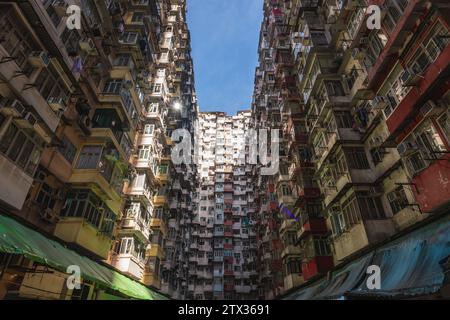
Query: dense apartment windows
x=394 y=12
x=21 y=148
x=430 y=48
x=16 y=40
x=356 y=157
x=424 y=145
x=397 y=199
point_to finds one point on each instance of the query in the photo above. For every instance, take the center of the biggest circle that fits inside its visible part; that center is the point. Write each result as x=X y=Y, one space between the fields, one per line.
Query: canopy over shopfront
x=410 y=266
x=18 y=239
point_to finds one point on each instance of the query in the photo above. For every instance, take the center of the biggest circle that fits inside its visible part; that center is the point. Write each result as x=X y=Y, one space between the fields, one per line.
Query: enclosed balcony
x=129 y=257
x=99 y=167
x=106 y=124
x=86 y=221
x=136 y=220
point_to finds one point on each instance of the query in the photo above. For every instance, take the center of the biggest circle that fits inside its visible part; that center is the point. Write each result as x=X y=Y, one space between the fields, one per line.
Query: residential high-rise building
x=223 y=242
x=95 y=204
x=364 y=135
x=86 y=119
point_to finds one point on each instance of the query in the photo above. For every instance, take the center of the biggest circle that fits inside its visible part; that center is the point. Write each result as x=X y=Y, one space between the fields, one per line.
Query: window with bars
x=21 y=148
x=46 y=196
x=370 y=206
x=356 y=158
x=67 y=149
x=397 y=199
x=89 y=157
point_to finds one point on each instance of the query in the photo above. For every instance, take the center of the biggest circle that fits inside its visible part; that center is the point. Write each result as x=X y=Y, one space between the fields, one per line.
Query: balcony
x=151 y=279
x=15 y=183
x=78 y=231
x=155 y=251
x=133 y=224
x=313 y=225
x=156 y=223
x=129 y=264
x=290 y=250
x=160 y=201
x=95 y=179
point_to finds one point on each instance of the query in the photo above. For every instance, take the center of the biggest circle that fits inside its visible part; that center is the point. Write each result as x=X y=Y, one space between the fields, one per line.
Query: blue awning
x=345 y=279
x=409 y=266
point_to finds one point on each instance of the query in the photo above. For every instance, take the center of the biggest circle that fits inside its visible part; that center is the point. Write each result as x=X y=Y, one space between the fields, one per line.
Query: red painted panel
x=317 y=265
x=433 y=185
x=405 y=107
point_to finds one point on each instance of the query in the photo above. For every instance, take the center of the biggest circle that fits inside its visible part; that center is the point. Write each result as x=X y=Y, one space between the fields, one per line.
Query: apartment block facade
x=223 y=243
x=363 y=114
x=86 y=119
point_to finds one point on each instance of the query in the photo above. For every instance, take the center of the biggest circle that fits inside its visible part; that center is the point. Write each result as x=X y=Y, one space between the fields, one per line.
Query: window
x=370 y=206
x=67 y=149
x=50 y=85
x=16 y=40
x=294 y=267
x=157 y=88
x=397 y=199
x=394 y=12
x=427 y=145
x=46 y=197
x=344 y=119
x=321 y=246
x=138 y=17
x=351 y=78
x=356 y=157
x=285 y=190
x=444 y=123
x=129 y=37
x=149 y=128
x=89 y=157
x=163 y=169
x=85 y=204
x=21 y=148
x=113 y=86
x=334 y=88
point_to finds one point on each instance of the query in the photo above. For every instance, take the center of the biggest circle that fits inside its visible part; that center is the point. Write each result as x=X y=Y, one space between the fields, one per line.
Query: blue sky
x=224 y=40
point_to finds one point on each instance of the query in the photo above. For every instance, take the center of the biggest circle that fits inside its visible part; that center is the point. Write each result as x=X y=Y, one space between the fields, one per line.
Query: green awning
x=18 y=239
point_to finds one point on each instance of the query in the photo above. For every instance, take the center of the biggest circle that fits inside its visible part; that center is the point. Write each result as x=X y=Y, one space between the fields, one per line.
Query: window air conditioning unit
x=87 y=45
x=12 y=107
x=39 y=59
